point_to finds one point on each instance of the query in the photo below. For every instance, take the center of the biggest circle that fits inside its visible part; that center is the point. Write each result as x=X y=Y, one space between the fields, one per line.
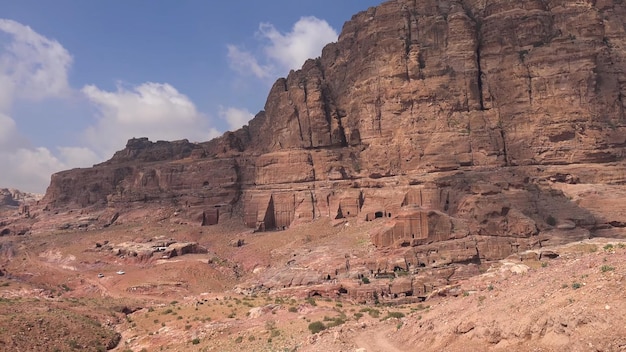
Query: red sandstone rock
x=453 y=121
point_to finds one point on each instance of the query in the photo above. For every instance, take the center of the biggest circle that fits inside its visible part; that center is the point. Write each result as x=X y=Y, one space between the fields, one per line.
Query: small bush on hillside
x=316 y=327
x=396 y=315
x=374 y=313
x=606 y=268
x=311 y=301
x=336 y=322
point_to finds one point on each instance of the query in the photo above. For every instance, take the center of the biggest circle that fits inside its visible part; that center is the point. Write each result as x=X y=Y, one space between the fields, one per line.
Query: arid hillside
x=449 y=173
x=93 y=289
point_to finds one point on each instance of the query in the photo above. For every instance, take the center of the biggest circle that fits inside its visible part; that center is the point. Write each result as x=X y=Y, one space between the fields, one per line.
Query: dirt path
x=377 y=341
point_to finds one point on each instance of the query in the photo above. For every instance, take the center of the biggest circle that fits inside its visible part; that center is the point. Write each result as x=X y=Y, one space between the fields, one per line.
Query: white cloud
x=7 y=130
x=235 y=117
x=32 y=168
x=78 y=156
x=28 y=169
x=32 y=66
x=306 y=40
x=245 y=63
x=154 y=110
x=283 y=51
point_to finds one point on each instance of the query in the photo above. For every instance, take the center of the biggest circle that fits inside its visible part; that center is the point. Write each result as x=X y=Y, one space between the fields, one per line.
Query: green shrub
x=195 y=341
x=311 y=301
x=550 y=220
x=374 y=313
x=606 y=268
x=576 y=285
x=293 y=310
x=316 y=327
x=365 y=280
x=396 y=315
x=608 y=247
x=336 y=322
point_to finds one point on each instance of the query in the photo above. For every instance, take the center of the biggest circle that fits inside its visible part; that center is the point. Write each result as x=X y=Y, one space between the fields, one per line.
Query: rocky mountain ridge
x=470 y=130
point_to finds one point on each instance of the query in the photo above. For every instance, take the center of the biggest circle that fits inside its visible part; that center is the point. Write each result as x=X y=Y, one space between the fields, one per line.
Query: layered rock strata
x=473 y=127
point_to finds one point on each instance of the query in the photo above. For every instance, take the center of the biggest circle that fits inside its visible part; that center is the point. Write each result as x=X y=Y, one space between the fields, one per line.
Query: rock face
x=473 y=128
x=14 y=197
x=160 y=249
x=15 y=211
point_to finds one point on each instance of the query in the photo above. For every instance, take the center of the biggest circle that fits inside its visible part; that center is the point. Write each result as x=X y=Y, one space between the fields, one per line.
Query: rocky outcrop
x=15 y=198
x=6 y=198
x=153 y=248
x=473 y=128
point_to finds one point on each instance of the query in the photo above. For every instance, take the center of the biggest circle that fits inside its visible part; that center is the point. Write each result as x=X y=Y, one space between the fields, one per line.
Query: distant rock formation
x=6 y=198
x=14 y=197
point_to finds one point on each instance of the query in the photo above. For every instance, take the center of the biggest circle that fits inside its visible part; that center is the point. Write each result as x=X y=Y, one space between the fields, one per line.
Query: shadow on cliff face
x=477 y=217
x=485 y=216
x=516 y=204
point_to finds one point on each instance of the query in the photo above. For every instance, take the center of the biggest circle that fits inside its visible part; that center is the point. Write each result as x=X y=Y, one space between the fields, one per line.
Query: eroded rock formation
x=475 y=129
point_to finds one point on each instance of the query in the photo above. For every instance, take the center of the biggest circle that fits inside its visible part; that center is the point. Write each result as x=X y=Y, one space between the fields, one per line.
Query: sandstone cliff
x=471 y=130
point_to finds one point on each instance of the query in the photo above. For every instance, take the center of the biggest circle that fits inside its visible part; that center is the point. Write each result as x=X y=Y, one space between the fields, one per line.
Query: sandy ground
x=572 y=303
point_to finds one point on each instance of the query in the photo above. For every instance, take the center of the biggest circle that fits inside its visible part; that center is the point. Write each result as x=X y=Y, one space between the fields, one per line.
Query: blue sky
x=78 y=78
